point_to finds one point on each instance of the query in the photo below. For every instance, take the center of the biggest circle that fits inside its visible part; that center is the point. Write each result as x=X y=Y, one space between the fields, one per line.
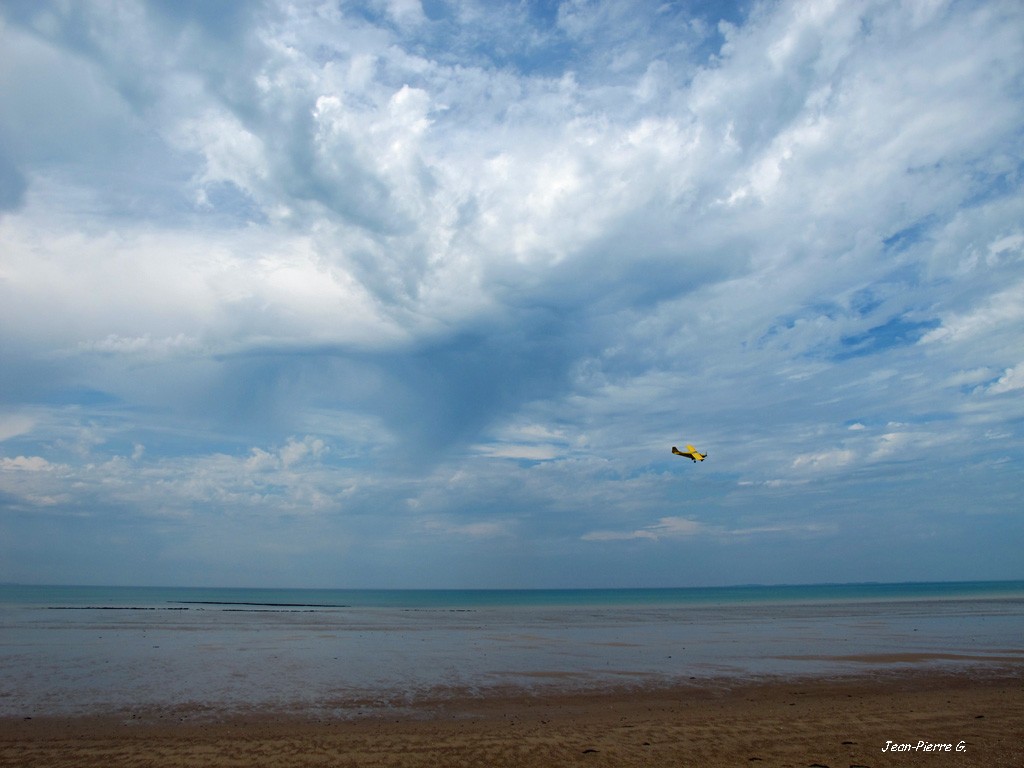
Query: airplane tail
x=692 y=453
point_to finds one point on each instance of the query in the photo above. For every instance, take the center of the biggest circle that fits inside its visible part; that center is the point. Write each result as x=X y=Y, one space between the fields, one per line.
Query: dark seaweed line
x=109 y=608
x=261 y=605
x=181 y=605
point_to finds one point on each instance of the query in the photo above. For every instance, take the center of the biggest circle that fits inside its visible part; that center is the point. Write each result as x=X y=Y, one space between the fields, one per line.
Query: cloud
x=388 y=267
x=12 y=185
x=488 y=529
x=1001 y=312
x=530 y=452
x=142 y=345
x=1012 y=379
x=533 y=442
x=824 y=460
x=665 y=528
x=670 y=528
x=14 y=424
x=26 y=464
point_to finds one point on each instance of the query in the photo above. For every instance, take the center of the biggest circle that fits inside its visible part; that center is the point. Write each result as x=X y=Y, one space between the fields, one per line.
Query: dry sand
x=834 y=723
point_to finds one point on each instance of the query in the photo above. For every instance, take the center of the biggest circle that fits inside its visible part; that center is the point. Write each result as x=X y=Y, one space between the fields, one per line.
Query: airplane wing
x=690 y=453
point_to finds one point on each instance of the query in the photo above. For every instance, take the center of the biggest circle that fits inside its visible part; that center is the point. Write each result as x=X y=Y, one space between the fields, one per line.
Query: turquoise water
x=66 y=650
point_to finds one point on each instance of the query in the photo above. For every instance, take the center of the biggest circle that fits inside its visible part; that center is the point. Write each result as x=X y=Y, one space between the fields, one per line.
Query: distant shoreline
x=109 y=597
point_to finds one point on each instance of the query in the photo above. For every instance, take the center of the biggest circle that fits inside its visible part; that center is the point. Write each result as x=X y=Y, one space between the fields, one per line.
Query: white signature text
x=923 y=746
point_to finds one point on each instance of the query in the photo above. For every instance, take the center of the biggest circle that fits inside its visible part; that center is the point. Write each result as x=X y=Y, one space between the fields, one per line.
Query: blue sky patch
x=897 y=332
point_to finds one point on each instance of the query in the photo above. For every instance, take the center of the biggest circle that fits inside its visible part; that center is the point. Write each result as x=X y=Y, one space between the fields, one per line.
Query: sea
x=71 y=650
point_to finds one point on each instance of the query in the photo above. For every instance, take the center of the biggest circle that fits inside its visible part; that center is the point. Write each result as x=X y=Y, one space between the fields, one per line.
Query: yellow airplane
x=690 y=453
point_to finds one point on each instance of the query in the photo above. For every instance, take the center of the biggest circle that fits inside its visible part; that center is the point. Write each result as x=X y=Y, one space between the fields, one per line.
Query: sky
x=391 y=293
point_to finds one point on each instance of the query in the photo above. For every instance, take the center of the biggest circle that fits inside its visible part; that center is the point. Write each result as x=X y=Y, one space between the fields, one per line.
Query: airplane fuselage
x=691 y=453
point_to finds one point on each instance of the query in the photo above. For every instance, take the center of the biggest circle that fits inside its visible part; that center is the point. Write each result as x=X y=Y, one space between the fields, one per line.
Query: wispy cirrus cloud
x=665 y=528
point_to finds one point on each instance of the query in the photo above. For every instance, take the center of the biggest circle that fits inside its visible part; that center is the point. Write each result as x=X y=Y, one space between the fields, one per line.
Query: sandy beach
x=834 y=723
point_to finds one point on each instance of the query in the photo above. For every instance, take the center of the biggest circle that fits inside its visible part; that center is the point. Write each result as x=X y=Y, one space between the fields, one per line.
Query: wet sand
x=837 y=723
